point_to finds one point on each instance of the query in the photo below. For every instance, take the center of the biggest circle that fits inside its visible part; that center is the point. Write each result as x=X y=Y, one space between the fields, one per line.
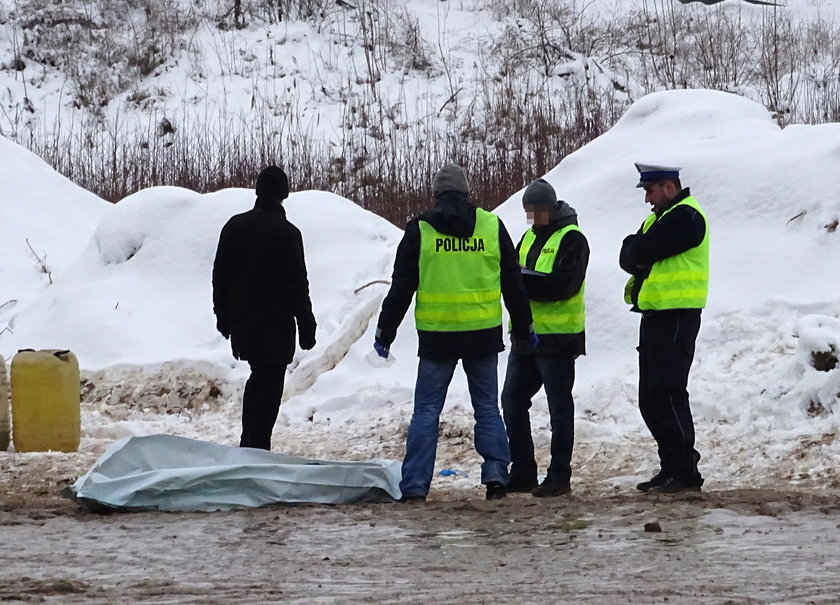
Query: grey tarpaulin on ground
x=169 y=473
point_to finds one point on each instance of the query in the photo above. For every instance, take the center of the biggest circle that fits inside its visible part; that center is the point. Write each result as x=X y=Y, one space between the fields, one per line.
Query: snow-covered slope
x=140 y=292
x=138 y=296
x=45 y=222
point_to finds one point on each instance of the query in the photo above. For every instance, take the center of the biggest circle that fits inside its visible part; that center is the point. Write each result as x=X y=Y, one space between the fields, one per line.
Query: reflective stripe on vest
x=680 y=281
x=557 y=317
x=459 y=288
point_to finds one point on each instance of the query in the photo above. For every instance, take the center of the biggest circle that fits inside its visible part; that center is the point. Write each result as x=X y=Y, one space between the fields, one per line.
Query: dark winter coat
x=260 y=287
x=453 y=214
x=564 y=281
x=673 y=233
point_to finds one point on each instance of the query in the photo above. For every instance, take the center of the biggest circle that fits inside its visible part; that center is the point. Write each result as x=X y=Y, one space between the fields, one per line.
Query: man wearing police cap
x=553 y=256
x=668 y=263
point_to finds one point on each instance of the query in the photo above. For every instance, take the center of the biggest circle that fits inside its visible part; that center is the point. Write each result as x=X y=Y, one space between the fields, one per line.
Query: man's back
x=261 y=241
x=260 y=283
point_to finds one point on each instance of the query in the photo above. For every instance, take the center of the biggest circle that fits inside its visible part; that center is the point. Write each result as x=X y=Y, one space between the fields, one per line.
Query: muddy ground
x=721 y=546
x=766 y=529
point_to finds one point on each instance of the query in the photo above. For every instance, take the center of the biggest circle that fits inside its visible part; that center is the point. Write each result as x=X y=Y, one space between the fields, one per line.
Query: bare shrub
x=102 y=46
x=552 y=77
x=235 y=14
x=390 y=176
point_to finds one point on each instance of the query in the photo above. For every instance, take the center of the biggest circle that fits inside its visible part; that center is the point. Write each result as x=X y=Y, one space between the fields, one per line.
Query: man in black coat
x=260 y=289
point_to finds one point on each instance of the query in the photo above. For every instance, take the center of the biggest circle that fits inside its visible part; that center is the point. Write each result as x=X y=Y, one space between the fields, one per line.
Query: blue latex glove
x=380 y=349
x=533 y=341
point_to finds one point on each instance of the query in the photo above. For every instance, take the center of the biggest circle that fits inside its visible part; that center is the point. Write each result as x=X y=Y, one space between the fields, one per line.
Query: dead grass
x=554 y=78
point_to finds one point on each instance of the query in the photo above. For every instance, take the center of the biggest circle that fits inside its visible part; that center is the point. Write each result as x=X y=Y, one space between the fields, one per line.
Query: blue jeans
x=433 y=378
x=525 y=375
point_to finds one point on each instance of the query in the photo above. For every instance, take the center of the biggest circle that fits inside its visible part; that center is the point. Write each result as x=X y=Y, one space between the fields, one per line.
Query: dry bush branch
x=553 y=78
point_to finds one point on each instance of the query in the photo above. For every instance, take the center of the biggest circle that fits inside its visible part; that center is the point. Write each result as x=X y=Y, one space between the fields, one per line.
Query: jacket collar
x=677 y=199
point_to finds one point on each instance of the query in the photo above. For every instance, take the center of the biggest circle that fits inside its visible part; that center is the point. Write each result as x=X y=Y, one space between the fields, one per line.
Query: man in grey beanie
x=553 y=255
x=459 y=261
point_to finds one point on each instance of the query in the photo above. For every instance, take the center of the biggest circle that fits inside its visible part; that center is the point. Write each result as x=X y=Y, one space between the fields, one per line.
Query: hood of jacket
x=565 y=216
x=453 y=214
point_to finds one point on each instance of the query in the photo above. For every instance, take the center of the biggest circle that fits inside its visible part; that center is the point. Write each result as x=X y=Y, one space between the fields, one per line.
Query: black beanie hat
x=272 y=184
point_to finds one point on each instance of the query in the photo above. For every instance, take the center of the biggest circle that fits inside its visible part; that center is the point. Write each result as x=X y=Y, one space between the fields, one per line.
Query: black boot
x=551 y=487
x=496 y=491
x=675 y=485
x=655 y=481
x=520 y=486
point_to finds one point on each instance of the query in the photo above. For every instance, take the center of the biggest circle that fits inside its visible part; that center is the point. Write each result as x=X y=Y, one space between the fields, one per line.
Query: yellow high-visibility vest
x=677 y=282
x=557 y=317
x=460 y=286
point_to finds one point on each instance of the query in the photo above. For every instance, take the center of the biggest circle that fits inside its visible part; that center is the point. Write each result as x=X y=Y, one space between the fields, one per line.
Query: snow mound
x=695 y=116
x=141 y=291
x=45 y=222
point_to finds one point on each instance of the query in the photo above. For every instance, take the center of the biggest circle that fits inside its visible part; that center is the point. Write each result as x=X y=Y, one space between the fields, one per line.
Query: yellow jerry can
x=4 y=407
x=45 y=401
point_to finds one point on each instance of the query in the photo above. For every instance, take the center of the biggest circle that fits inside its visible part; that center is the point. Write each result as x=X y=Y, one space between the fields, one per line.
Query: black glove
x=526 y=345
x=223 y=328
x=307 y=342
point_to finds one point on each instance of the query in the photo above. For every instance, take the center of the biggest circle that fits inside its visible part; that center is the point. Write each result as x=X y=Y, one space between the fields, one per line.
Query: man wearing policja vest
x=553 y=255
x=668 y=260
x=459 y=261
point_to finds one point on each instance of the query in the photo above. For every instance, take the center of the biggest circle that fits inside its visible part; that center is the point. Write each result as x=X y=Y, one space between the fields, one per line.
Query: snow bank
x=45 y=222
x=136 y=305
x=140 y=293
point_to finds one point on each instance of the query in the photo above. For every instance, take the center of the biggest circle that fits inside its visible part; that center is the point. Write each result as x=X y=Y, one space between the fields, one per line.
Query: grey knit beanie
x=450 y=178
x=540 y=193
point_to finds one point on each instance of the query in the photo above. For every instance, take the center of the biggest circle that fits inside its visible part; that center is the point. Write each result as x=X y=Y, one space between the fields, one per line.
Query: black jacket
x=564 y=281
x=452 y=215
x=260 y=286
x=673 y=233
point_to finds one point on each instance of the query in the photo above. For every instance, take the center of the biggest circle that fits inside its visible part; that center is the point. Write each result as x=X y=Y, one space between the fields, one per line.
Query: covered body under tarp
x=168 y=473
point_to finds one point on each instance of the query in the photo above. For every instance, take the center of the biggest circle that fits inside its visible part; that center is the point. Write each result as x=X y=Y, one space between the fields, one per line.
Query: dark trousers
x=526 y=374
x=261 y=403
x=666 y=350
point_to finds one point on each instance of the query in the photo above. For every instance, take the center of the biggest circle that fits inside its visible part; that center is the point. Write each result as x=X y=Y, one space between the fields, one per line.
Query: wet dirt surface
x=732 y=546
x=774 y=542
